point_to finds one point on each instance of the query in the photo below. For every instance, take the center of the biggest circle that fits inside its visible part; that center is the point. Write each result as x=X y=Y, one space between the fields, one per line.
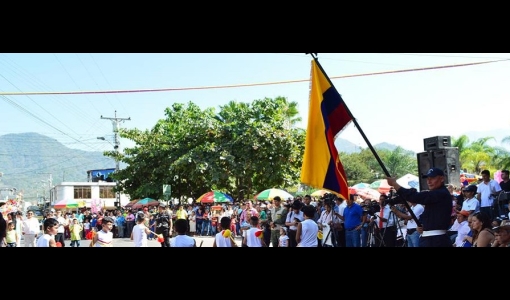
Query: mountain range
x=31 y=163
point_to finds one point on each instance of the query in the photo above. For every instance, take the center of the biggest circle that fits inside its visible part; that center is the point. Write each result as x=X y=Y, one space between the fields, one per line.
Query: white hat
x=52 y=210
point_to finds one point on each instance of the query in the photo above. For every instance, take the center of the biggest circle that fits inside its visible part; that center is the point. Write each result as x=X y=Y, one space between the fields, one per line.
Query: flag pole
x=314 y=56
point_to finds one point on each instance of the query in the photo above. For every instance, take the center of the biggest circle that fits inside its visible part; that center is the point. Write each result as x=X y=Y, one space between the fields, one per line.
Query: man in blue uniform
x=435 y=218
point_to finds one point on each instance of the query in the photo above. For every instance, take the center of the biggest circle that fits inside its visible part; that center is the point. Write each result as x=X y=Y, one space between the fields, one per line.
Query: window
x=106 y=192
x=82 y=192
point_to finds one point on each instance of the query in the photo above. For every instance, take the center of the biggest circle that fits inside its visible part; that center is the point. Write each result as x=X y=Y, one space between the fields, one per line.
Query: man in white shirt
x=386 y=221
x=488 y=189
x=412 y=234
x=462 y=229
x=30 y=229
x=470 y=203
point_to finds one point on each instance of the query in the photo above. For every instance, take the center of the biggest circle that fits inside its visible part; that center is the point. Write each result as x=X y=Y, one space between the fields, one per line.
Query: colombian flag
x=327 y=116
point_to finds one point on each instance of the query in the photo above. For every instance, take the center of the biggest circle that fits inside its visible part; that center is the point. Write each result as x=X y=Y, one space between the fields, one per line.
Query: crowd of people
x=473 y=215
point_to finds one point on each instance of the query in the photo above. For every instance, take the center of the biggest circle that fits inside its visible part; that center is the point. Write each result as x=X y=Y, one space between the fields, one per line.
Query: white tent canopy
x=409 y=181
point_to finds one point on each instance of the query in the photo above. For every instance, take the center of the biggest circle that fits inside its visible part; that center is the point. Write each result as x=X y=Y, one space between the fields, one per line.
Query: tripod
x=382 y=233
x=396 y=221
x=373 y=234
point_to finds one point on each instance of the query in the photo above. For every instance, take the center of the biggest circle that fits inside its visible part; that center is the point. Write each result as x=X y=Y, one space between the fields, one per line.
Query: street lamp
x=116 y=147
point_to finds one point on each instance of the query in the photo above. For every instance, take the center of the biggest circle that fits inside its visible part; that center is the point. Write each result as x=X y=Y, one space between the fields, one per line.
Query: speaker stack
x=439 y=154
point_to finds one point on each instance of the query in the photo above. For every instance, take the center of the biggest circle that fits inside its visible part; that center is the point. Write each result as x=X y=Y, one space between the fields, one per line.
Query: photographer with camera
x=294 y=217
x=386 y=222
x=412 y=234
x=437 y=203
x=326 y=223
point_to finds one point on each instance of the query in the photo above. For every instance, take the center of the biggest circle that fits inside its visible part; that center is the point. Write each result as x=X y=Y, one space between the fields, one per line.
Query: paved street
x=125 y=242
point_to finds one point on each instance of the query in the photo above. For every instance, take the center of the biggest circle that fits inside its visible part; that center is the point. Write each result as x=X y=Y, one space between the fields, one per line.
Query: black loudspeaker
x=436 y=142
x=446 y=159
x=425 y=162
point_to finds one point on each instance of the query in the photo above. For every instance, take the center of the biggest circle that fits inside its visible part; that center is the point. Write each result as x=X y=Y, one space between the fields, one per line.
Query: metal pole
x=116 y=121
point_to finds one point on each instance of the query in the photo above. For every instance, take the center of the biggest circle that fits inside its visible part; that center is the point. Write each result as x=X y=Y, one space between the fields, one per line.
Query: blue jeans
x=364 y=235
x=238 y=230
x=413 y=239
x=199 y=227
x=77 y=242
x=352 y=238
x=206 y=226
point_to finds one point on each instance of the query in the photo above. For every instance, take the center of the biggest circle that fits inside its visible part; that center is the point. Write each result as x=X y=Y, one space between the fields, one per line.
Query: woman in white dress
x=192 y=223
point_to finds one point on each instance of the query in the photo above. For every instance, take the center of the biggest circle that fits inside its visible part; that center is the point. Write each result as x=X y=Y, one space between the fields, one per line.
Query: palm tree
x=291 y=113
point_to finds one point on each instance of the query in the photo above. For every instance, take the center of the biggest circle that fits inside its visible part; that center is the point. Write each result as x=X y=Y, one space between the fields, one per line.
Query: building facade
x=88 y=194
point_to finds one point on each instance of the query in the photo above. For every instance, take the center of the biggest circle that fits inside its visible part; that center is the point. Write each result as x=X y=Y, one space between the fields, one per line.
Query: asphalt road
x=126 y=242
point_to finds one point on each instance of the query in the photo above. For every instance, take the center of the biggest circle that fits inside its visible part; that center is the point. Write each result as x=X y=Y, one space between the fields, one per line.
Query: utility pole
x=115 y=122
x=50 y=186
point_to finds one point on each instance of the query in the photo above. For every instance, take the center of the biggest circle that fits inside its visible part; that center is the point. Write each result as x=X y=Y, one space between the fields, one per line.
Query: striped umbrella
x=214 y=196
x=66 y=203
x=381 y=186
x=269 y=194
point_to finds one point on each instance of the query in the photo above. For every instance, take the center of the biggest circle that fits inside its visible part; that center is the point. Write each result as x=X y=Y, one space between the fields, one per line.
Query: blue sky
x=400 y=108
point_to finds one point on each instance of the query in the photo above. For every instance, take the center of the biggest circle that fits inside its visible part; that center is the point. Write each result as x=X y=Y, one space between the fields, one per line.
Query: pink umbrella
x=368 y=193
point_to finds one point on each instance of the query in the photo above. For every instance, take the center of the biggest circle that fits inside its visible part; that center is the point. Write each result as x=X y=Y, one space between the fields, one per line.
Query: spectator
x=483 y=236
x=353 y=218
x=462 y=229
x=502 y=236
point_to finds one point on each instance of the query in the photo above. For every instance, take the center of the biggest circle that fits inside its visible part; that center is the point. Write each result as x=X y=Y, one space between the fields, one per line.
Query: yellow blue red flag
x=327 y=117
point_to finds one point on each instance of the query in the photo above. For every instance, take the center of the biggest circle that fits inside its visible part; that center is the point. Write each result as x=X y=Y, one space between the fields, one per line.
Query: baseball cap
x=470 y=188
x=465 y=213
x=433 y=173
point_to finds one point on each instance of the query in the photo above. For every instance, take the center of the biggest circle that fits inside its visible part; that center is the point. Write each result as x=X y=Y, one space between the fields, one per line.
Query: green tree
x=241 y=150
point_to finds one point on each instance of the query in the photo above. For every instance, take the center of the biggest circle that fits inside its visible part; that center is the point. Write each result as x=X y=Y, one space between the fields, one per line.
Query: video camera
x=371 y=208
x=329 y=199
x=394 y=199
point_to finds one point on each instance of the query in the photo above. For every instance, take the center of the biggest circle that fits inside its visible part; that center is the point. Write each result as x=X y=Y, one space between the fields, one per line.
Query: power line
x=243 y=85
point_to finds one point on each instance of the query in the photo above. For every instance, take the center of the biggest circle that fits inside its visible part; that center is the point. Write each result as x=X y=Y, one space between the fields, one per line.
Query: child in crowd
x=11 y=238
x=86 y=227
x=250 y=238
x=50 y=226
x=219 y=239
x=152 y=227
x=182 y=240
x=140 y=231
x=233 y=225
x=104 y=237
x=76 y=230
x=245 y=226
x=283 y=241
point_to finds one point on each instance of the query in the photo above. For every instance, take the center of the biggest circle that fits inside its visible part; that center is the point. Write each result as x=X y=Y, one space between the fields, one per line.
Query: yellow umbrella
x=319 y=193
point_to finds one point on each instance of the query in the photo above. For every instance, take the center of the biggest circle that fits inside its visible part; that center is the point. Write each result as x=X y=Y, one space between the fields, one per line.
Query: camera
x=329 y=199
x=371 y=208
x=394 y=199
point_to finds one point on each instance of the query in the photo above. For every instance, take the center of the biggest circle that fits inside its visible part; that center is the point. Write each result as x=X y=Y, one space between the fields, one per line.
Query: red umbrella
x=369 y=193
x=145 y=202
